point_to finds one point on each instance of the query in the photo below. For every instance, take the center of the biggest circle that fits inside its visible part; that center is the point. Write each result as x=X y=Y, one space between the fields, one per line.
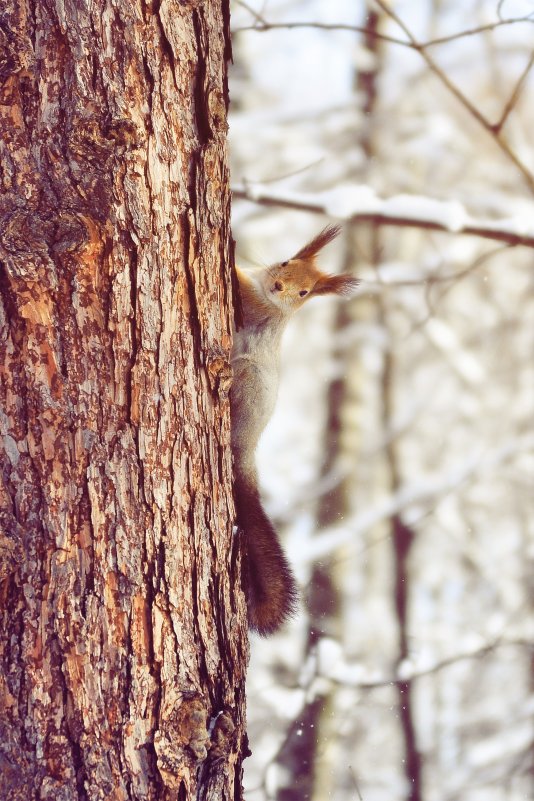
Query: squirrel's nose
x=278 y=286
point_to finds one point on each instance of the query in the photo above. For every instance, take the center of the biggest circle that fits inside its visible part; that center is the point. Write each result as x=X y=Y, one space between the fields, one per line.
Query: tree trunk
x=123 y=643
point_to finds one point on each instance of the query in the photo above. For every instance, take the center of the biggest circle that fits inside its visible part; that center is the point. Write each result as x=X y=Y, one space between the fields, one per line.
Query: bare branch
x=454 y=90
x=494 y=129
x=261 y=25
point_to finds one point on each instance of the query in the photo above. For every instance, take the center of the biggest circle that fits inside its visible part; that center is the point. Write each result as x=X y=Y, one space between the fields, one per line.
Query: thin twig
x=263 y=26
x=251 y=11
x=356 y=786
x=490 y=26
x=515 y=95
x=283 y=176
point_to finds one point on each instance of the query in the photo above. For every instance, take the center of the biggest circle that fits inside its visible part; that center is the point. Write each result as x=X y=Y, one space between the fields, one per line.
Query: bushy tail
x=270 y=584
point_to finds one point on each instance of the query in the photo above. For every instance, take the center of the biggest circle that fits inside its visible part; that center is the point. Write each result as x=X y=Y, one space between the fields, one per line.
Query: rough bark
x=123 y=642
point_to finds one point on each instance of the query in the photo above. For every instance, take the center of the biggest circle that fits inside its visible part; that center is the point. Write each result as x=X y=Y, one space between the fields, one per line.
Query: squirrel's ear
x=335 y=285
x=318 y=243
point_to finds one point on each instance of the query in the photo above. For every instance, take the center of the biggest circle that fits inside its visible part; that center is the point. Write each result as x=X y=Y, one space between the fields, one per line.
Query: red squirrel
x=269 y=297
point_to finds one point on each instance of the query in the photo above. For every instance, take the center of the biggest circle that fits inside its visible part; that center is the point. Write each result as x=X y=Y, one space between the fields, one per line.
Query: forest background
x=399 y=463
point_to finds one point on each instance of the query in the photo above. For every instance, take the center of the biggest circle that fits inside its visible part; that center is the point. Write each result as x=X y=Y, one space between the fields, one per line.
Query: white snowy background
x=423 y=489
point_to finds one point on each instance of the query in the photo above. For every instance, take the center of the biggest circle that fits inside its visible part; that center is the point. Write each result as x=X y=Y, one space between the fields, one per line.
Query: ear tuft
x=335 y=285
x=318 y=243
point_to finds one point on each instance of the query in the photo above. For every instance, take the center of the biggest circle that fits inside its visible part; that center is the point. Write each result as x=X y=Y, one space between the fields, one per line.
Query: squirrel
x=269 y=297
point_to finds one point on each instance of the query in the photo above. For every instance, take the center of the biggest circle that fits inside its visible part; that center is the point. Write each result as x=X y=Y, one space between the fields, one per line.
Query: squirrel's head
x=291 y=283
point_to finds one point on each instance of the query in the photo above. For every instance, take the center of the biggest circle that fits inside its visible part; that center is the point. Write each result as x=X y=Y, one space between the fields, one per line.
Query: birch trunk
x=123 y=642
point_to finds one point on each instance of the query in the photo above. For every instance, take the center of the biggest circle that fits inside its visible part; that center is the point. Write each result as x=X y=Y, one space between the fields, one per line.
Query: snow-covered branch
x=359 y=203
x=333 y=666
x=419 y=495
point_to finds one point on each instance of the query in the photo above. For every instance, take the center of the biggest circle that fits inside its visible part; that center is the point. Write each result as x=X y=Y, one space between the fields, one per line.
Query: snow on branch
x=332 y=665
x=423 y=493
x=360 y=203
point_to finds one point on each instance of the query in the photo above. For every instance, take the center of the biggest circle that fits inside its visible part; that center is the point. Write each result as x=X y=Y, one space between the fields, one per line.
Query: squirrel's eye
x=303 y=292
x=284 y=264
